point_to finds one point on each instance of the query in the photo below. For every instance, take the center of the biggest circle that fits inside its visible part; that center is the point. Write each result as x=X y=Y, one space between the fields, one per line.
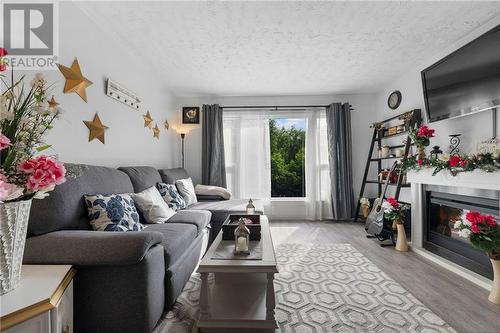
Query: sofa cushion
x=177 y=238
x=199 y=218
x=170 y=176
x=142 y=177
x=221 y=209
x=65 y=209
x=115 y=212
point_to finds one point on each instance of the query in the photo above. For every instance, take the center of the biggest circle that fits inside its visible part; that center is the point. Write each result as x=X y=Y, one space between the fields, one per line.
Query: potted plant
x=421 y=137
x=394 y=212
x=26 y=115
x=483 y=232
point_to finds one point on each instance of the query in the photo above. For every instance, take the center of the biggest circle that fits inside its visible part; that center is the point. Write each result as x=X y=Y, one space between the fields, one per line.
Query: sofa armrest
x=204 y=197
x=90 y=248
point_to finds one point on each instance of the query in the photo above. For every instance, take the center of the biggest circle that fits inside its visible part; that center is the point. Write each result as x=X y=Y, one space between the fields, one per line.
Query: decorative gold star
x=96 y=128
x=75 y=81
x=52 y=103
x=156 y=132
x=148 y=121
x=166 y=125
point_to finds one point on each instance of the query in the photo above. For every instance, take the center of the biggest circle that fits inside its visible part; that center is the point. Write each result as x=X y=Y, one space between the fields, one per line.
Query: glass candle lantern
x=436 y=152
x=250 y=207
x=241 y=238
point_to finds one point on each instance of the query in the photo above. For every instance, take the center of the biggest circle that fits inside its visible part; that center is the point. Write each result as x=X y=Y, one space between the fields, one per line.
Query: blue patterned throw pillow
x=115 y=212
x=171 y=196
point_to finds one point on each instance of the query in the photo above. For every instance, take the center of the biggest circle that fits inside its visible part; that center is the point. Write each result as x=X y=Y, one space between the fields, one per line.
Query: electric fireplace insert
x=443 y=210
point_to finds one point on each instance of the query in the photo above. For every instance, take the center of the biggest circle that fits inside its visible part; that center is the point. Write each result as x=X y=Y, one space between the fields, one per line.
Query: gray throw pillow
x=186 y=189
x=152 y=206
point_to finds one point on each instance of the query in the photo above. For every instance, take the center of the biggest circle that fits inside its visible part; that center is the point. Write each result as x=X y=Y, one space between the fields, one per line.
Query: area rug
x=325 y=288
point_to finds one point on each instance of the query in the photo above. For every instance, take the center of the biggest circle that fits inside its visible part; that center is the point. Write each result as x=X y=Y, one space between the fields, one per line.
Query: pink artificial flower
x=474 y=228
x=4 y=142
x=6 y=188
x=44 y=173
x=393 y=202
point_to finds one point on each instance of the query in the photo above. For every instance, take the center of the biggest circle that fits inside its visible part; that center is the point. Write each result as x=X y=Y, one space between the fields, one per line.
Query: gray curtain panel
x=338 y=120
x=213 y=165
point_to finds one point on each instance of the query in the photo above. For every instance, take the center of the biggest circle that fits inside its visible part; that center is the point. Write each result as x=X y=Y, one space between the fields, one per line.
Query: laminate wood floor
x=459 y=302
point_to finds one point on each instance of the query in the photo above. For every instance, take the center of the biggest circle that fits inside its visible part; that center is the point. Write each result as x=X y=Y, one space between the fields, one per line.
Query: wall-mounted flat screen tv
x=467 y=81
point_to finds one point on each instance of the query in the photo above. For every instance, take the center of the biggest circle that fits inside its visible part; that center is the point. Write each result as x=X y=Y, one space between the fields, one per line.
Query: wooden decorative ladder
x=414 y=119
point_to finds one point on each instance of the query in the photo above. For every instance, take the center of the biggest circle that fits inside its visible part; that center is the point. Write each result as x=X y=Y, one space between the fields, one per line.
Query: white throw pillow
x=186 y=189
x=152 y=206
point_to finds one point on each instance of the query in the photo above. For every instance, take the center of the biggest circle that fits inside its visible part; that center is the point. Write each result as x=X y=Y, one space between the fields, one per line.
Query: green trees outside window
x=288 y=138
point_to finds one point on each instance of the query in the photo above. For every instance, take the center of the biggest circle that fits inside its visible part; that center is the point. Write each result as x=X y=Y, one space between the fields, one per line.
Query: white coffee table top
x=40 y=290
x=266 y=265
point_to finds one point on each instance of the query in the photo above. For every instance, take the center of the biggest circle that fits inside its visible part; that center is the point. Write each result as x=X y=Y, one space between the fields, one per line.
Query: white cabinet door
x=62 y=314
x=38 y=324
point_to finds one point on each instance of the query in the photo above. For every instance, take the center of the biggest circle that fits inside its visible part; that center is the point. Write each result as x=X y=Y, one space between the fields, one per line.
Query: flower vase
x=401 y=244
x=494 y=296
x=421 y=152
x=14 y=218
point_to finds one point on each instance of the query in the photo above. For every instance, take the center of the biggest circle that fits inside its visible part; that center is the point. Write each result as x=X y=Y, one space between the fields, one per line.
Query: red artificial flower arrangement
x=457 y=161
x=422 y=135
x=483 y=232
x=393 y=210
x=425 y=131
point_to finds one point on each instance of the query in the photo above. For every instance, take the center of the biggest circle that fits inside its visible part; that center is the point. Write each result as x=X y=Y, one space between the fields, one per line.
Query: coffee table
x=241 y=299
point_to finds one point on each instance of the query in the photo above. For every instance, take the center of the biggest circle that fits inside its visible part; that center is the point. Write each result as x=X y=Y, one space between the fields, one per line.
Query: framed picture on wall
x=191 y=115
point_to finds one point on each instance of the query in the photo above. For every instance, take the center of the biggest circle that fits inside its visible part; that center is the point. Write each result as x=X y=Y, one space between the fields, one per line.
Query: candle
x=242 y=245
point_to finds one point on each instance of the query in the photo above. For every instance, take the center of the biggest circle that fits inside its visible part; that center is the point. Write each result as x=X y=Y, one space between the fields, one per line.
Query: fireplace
x=443 y=209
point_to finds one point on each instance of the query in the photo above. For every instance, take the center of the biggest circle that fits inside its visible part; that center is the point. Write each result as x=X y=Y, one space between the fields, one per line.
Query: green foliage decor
x=454 y=163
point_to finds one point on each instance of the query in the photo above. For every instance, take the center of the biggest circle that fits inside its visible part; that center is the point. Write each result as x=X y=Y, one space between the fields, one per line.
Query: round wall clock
x=394 y=99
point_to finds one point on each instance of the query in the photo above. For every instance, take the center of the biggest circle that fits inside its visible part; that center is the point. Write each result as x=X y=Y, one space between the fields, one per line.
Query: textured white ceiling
x=283 y=48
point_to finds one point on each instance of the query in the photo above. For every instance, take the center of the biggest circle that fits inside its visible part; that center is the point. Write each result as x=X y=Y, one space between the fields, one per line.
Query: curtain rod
x=276 y=107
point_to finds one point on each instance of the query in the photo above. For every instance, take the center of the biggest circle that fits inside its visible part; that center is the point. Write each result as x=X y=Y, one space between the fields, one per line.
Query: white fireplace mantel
x=477 y=179
x=467 y=181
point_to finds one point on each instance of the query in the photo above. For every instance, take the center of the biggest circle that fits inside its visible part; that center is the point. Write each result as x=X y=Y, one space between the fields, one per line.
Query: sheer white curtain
x=246 y=144
x=248 y=165
x=318 y=203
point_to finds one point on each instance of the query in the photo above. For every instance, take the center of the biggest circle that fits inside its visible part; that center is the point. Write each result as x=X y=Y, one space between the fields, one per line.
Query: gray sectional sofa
x=124 y=280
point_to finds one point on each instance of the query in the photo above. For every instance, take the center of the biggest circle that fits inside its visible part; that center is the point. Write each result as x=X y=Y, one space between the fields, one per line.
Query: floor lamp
x=182 y=148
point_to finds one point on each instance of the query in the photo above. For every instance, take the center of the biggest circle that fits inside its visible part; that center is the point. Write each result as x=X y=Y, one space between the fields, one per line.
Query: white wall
x=101 y=57
x=474 y=128
x=363 y=116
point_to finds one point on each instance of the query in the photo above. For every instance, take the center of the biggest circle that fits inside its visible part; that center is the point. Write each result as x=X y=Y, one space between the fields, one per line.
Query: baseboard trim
x=471 y=276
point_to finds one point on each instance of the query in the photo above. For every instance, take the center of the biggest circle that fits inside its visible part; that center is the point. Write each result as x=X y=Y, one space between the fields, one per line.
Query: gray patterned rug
x=326 y=288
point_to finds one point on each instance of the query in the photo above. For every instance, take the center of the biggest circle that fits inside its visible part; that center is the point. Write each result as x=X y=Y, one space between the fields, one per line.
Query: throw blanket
x=212 y=190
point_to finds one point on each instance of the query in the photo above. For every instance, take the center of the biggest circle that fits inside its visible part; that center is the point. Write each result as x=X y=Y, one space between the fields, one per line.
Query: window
x=280 y=155
x=287 y=142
